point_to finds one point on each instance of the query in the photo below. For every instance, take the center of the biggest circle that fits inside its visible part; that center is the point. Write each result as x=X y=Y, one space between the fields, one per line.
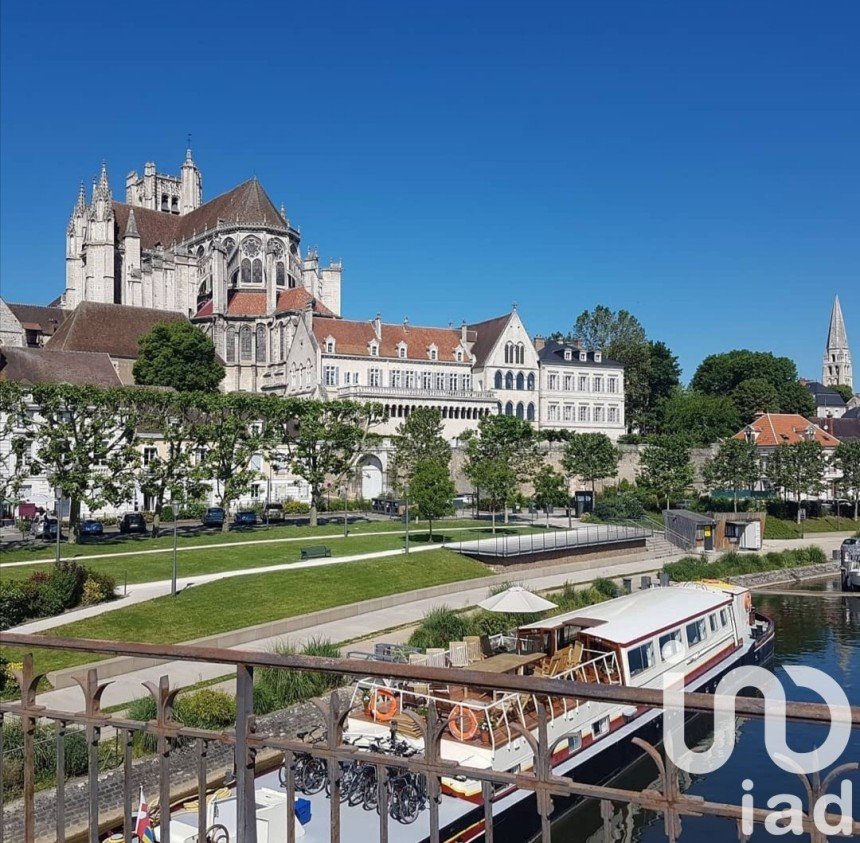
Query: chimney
x=540 y=343
x=377 y=326
x=463 y=334
x=405 y=324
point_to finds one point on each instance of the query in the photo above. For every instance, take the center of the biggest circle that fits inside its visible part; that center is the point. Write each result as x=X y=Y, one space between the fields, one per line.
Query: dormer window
x=568 y=354
x=433 y=352
x=329 y=345
x=374 y=349
x=401 y=350
x=458 y=355
x=583 y=356
x=598 y=356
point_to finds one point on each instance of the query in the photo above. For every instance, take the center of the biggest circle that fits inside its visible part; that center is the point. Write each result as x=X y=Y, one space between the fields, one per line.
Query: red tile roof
x=253 y=303
x=354 y=338
x=248 y=203
x=785 y=428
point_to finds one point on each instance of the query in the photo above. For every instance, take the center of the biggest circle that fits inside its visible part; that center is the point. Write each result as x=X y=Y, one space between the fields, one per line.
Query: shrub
x=143 y=709
x=206 y=709
x=619 y=504
x=692 y=568
x=63 y=588
x=14 y=604
x=98 y=588
x=440 y=626
x=296 y=508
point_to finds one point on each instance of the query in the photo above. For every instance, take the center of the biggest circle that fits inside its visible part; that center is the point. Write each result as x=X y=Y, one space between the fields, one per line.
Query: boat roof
x=632 y=617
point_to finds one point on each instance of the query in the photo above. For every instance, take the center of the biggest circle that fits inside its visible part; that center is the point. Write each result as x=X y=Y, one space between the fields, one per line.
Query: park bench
x=318 y=551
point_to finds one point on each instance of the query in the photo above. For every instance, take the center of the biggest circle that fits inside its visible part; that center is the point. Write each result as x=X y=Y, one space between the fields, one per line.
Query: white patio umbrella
x=516 y=600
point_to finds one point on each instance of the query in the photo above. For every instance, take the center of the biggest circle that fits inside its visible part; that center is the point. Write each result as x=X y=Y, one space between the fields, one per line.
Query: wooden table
x=507 y=662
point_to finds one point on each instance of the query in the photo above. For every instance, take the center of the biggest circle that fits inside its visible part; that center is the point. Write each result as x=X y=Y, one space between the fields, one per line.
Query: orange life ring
x=455 y=721
x=391 y=705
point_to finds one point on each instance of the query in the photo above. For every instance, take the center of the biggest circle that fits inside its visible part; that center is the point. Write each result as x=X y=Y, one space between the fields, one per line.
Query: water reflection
x=821 y=632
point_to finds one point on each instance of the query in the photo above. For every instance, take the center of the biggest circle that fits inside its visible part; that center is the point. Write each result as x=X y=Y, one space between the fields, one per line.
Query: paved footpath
x=364 y=627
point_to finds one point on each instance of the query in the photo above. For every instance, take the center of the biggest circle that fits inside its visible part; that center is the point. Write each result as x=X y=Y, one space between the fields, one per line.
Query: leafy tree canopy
x=591 y=456
x=550 y=488
x=700 y=419
x=755 y=395
x=432 y=490
x=735 y=466
x=178 y=355
x=844 y=390
x=419 y=439
x=846 y=459
x=666 y=469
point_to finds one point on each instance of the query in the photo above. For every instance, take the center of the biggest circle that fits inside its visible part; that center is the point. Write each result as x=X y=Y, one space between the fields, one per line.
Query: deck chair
x=557 y=664
x=457 y=654
x=435 y=657
x=473 y=648
x=486 y=646
x=418 y=658
x=574 y=653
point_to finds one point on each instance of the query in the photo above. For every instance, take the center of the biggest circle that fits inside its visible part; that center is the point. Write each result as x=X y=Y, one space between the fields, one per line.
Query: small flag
x=143 y=827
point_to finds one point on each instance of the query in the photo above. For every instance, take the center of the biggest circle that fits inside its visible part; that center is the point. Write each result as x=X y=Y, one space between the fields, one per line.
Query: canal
x=821 y=632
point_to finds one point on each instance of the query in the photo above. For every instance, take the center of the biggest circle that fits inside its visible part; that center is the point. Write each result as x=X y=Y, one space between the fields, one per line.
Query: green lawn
x=41 y=551
x=779 y=528
x=233 y=603
x=158 y=566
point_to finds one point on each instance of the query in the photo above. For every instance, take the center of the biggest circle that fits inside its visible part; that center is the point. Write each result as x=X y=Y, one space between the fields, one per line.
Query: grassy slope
x=42 y=551
x=158 y=566
x=779 y=528
x=233 y=603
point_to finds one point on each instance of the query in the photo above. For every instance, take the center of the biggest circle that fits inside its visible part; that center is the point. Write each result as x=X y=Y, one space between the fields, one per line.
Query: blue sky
x=696 y=163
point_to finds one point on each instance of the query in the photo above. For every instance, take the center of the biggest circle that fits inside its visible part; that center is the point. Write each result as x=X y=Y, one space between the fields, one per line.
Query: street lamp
x=175 y=508
x=407 y=517
x=59 y=502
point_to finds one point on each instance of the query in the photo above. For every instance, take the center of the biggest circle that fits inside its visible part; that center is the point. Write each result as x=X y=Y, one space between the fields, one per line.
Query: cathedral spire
x=836 y=368
x=81 y=204
x=131 y=226
x=102 y=189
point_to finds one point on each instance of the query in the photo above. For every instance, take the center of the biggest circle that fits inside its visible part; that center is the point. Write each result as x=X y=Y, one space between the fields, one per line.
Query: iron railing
x=247 y=741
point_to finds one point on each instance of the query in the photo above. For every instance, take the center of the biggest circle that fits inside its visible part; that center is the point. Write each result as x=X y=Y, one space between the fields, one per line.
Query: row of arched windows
x=512 y=381
x=252 y=344
x=402 y=411
x=251 y=272
x=520 y=411
x=515 y=354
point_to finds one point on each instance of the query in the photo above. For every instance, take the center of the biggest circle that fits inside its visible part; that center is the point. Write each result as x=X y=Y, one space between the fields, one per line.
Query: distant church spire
x=81 y=204
x=836 y=368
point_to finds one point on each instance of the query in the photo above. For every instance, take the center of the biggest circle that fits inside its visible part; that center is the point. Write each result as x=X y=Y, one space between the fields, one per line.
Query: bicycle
x=310 y=773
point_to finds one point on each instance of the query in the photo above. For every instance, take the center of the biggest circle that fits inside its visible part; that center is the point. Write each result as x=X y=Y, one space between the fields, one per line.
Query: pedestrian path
x=359 y=626
x=251 y=542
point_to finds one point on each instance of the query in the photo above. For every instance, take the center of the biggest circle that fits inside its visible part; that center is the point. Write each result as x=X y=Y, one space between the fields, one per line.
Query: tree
x=431 y=491
x=327 y=441
x=234 y=431
x=666 y=469
x=86 y=443
x=847 y=392
x=753 y=396
x=500 y=456
x=721 y=374
x=419 y=439
x=178 y=355
x=664 y=377
x=173 y=418
x=735 y=466
x=550 y=488
x=620 y=336
x=797 y=468
x=591 y=456
x=846 y=458
x=700 y=419
x=17 y=431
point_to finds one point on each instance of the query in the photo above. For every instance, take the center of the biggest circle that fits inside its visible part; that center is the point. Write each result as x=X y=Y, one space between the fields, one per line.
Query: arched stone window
x=280 y=274
x=520 y=410
x=246 y=344
x=229 y=245
x=509 y=380
x=230 y=346
x=521 y=381
x=521 y=354
x=246 y=271
x=283 y=342
x=509 y=352
x=257 y=274
x=530 y=383
x=530 y=412
x=274 y=345
x=261 y=343
x=499 y=380
x=509 y=409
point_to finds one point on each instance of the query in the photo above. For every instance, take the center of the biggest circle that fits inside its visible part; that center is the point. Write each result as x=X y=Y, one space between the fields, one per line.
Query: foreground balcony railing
x=248 y=742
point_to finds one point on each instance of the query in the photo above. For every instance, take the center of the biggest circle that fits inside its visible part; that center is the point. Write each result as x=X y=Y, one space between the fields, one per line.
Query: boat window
x=566 y=635
x=712 y=622
x=670 y=644
x=695 y=631
x=724 y=617
x=600 y=727
x=640 y=658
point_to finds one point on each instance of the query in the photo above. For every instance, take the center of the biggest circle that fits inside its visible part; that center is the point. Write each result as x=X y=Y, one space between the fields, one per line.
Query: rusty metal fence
x=247 y=742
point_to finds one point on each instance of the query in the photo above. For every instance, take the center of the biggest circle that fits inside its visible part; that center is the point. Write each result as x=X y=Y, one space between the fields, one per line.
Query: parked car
x=91 y=527
x=132 y=522
x=214 y=517
x=246 y=518
x=45 y=529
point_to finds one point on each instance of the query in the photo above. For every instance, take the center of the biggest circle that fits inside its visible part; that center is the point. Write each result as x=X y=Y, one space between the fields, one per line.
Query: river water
x=821 y=632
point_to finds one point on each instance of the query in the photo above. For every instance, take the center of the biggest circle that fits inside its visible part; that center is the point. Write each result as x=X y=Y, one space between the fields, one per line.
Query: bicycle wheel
x=315 y=776
x=355 y=794
x=371 y=792
x=408 y=804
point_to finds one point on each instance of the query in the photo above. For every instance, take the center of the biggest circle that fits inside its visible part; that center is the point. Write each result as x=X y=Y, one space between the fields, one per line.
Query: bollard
x=645 y=582
x=664 y=579
x=627 y=584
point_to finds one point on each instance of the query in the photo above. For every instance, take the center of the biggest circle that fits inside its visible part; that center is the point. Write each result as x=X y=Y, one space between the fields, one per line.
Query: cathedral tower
x=836 y=368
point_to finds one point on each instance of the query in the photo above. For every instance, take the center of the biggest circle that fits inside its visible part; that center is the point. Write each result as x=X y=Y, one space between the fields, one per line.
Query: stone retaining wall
x=786 y=575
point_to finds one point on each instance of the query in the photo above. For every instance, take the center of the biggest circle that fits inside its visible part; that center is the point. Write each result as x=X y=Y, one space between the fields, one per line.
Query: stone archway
x=371 y=477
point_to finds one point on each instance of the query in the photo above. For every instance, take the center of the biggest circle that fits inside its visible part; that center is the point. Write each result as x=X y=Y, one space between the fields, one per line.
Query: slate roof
x=248 y=203
x=487 y=334
x=785 y=428
x=844 y=429
x=853 y=413
x=37 y=317
x=39 y=365
x=553 y=352
x=824 y=395
x=354 y=338
x=110 y=328
x=253 y=303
